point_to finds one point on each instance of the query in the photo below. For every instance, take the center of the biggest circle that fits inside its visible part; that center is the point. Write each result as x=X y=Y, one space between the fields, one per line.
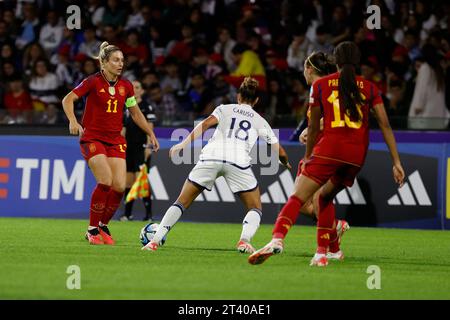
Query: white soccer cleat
x=319 y=260
x=336 y=255
x=245 y=247
x=341 y=227
x=151 y=246
x=275 y=246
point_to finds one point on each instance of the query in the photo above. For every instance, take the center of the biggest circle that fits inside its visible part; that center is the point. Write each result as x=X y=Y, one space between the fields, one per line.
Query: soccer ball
x=148 y=232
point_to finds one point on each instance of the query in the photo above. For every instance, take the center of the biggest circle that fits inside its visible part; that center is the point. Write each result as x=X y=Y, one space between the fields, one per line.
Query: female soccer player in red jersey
x=316 y=66
x=102 y=145
x=344 y=100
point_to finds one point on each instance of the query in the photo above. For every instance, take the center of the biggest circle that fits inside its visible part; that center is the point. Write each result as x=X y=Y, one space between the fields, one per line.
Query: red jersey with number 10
x=344 y=139
x=103 y=113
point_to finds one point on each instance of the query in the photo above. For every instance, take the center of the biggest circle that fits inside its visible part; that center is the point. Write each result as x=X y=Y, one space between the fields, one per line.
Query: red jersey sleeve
x=130 y=89
x=375 y=95
x=84 y=87
x=314 y=95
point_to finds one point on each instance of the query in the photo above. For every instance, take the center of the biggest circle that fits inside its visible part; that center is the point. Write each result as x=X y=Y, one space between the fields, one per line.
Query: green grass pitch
x=199 y=261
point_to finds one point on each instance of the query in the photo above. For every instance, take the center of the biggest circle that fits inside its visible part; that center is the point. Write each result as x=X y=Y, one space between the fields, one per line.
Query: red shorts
x=321 y=170
x=93 y=147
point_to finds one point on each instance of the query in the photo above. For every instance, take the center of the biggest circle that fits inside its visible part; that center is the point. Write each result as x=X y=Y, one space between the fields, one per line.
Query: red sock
x=112 y=203
x=334 y=243
x=287 y=217
x=98 y=204
x=325 y=225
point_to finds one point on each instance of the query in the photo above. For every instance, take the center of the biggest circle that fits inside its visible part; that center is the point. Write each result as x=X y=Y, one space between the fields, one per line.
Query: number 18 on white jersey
x=238 y=129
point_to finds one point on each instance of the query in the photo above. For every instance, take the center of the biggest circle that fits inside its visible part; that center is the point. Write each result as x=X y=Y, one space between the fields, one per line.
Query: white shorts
x=239 y=179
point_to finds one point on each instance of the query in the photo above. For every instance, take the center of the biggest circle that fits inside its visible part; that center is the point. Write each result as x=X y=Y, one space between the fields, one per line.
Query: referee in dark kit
x=138 y=151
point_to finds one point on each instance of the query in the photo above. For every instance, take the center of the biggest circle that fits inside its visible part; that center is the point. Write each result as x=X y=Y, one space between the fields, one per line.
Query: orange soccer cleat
x=151 y=246
x=275 y=246
x=245 y=247
x=106 y=235
x=94 y=239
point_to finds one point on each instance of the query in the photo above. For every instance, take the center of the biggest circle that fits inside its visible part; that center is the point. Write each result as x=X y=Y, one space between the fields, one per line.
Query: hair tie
x=312 y=65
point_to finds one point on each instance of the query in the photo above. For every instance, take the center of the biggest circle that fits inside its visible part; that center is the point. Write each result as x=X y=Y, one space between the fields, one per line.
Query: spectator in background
x=171 y=81
x=8 y=70
x=43 y=85
x=90 y=46
x=7 y=52
x=5 y=38
x=114 y=15
x=222 y=92
x=30 y=26
x=276 y=103
x=95 y=12
x=248 y=64
x=17 y=102
x=165 y=105
x=135 y=19
x=149 y=78
x=411 y=43
x=64 y=70
x=340 y=29
x=200 y=96
x=11 y=24
x=299 y=49
x=429 y=94
x=322 y=43
x=32 y=54
x=133 y=46
x=51 y=33
x=157 y=44
x=224 y=46
x=396 y=108
x=183 y=49
x=299 y=98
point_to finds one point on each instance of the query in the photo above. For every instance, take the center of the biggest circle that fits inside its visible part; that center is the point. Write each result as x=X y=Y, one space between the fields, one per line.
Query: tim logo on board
x=49 y=181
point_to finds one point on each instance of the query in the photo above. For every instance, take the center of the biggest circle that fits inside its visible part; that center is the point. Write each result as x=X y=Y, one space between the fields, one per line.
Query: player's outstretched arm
x=196 y=133
x=67 y=103
x=383 y=122
x=141 y=122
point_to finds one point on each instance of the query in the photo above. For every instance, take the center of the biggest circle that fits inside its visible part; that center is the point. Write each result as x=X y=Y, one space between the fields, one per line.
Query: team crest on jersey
x=92 y=147
x=122 y=91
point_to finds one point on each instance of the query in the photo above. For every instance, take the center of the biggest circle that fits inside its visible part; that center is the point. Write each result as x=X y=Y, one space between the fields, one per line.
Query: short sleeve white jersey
x=237 y=132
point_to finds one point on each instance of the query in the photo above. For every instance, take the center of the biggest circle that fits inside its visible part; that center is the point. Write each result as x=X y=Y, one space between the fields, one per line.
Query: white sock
x=92 y=228
x=250 y=224
x=170 y=218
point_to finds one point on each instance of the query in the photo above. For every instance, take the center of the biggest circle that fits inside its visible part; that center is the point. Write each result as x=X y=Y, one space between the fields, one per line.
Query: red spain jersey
x=344 y=139
x=103 y=113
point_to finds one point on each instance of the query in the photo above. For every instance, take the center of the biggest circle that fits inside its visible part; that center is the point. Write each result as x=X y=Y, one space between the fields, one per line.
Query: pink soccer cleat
x=319 y=260
x=106 y=235
x=275 y=246
x=94 y=239
x=341 y=227
x=335 y=255
x=245 y=247
x=151 y=246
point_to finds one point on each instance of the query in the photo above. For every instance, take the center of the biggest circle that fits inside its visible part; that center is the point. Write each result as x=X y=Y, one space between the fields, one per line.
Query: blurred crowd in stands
x=190 y=55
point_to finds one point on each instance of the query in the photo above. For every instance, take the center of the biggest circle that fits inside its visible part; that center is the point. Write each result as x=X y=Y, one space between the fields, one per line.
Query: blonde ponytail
x=105 y=52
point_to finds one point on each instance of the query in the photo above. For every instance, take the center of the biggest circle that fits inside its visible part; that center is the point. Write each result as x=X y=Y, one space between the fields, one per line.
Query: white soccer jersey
x=237 y=132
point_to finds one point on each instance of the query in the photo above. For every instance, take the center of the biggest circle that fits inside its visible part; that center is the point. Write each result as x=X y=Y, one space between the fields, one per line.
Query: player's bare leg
x=103 y=175
x=304 y=188
x=188 y=193
x=252 y=220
